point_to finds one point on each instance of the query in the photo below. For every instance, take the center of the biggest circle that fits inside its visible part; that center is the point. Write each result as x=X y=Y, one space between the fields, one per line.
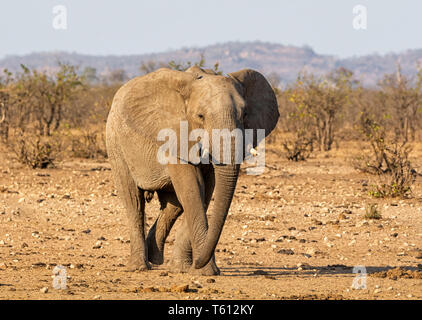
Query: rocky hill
x=285 y=61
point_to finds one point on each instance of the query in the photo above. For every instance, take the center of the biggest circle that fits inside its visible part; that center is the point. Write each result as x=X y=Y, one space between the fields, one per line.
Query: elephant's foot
x=155 y=254
x=138 y=264
x=210 y=269
x=180 y=265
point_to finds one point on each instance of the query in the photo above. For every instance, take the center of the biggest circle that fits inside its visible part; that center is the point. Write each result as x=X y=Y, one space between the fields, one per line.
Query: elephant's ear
x=261 y=102
x=154 y=104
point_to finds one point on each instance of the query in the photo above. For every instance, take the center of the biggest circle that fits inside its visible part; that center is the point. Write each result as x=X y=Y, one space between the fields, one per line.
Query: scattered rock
x=180 y=289
x=398 y=273
x=197 y=284
x=44 y=290
x=317 y=222
x=286 y=251
x=39 y=265
x=342 y=216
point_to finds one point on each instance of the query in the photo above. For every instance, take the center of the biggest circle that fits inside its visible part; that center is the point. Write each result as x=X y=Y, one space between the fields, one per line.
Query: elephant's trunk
x=225 y=184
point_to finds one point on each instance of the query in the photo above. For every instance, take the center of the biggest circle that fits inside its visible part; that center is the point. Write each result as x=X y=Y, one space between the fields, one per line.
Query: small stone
x=342 y=216
x=44 y=290
x=286 y=251
x=210 y=280
x=311 y=251
x=180 y=289
x=98 y=297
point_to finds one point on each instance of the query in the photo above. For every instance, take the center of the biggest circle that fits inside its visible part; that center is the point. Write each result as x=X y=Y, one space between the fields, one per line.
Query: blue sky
x=134 y=27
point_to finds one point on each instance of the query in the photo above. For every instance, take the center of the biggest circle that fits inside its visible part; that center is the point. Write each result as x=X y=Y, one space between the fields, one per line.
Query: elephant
x=162 y=99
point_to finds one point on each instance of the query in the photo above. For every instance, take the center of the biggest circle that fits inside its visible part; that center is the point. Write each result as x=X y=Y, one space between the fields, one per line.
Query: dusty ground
x=295 y=232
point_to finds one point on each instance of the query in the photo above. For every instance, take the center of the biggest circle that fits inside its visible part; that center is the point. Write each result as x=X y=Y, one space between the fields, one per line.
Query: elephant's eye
x=201 y=116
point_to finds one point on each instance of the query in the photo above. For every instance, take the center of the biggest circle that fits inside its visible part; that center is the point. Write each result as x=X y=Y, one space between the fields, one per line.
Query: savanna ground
x=294 y=232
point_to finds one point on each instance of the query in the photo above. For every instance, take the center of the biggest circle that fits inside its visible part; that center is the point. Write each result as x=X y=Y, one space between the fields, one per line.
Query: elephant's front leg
x=182 y=255
x=194 y=190
x=189 y=186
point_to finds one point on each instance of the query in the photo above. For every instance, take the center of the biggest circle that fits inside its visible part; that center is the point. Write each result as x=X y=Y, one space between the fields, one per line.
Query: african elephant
x=164 y=99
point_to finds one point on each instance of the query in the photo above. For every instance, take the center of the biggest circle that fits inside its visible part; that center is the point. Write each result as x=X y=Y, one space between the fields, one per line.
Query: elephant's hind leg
x=171 y=209
x=134 y=202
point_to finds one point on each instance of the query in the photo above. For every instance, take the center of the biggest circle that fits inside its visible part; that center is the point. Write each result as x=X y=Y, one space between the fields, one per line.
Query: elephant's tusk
x=205 y=153
x=253 y=152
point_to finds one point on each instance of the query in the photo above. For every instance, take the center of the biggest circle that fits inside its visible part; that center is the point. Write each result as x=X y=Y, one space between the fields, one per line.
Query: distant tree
x=323 y=98
x=183 y=66
x=403 y=100
x=275 y=82
x=151 y=66
x=39 y=100
x=89 y=75
x=117 y=76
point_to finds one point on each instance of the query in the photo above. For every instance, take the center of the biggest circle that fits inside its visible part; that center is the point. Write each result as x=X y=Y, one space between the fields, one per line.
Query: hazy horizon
x=200 y=47
x=139 y=27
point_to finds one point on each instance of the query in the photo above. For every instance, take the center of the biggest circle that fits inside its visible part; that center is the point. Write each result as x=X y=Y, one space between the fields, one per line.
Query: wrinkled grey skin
x=161 y=99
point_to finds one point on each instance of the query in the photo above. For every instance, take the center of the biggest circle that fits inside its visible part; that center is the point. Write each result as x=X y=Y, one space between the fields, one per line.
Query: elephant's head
x=204 y=100
x=243 y=100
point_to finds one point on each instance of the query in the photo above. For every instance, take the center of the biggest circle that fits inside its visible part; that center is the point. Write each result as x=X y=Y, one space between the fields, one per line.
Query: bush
x=372 y=212
x=35 y=151
x=298 y=148
x=88 y=145
x=398 y=180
